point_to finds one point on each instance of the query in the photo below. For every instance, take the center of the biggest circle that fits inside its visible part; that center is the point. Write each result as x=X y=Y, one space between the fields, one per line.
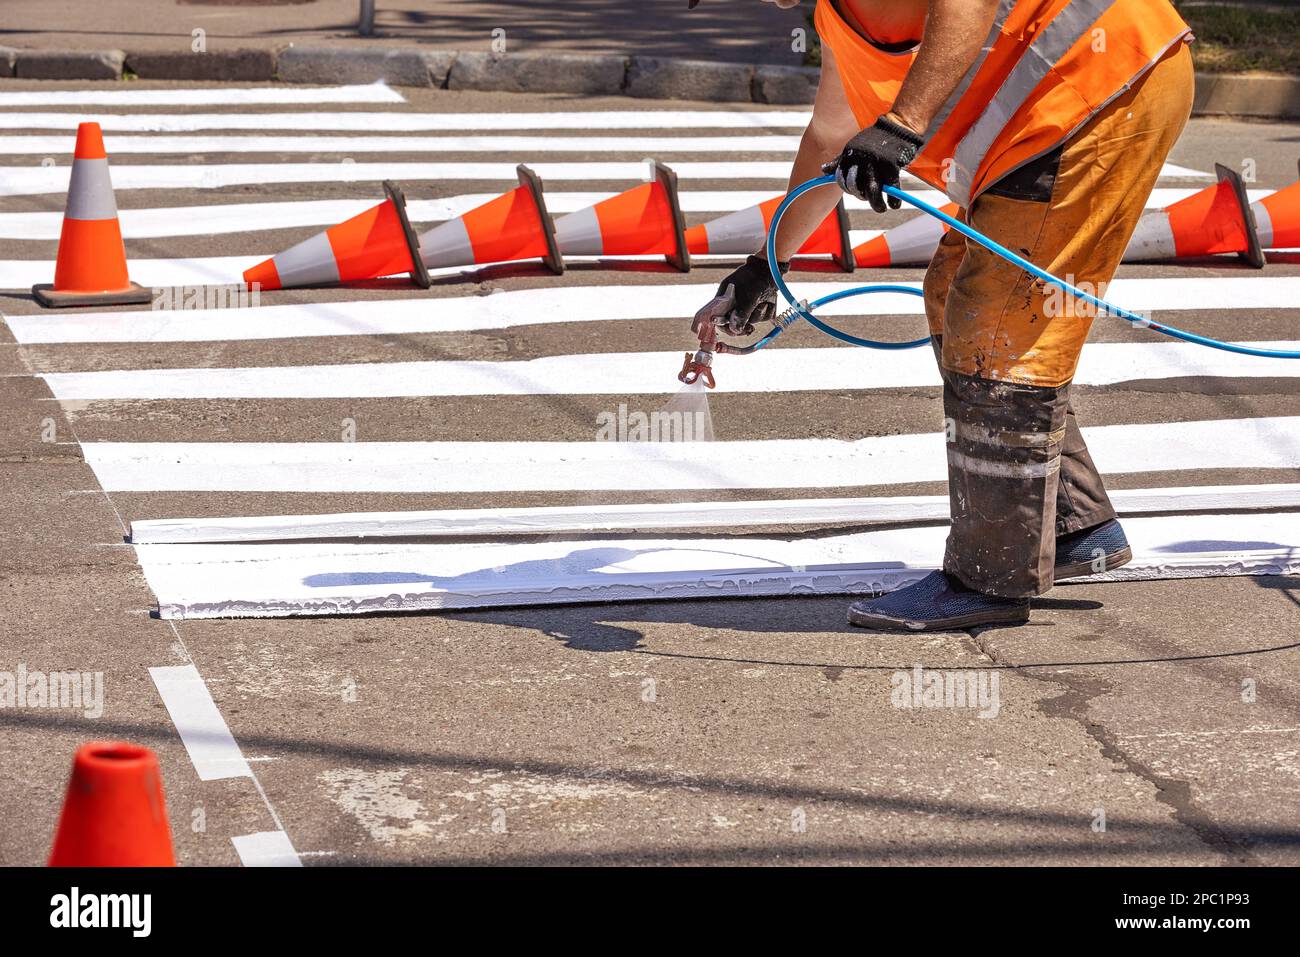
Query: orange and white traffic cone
x=1218 y=219
x=378 y=242
x=114 y=814
x=510 y=228
x=91 y=267
x=1277 y=218
x=909 y=244
x=744 y=232
x=643 y=221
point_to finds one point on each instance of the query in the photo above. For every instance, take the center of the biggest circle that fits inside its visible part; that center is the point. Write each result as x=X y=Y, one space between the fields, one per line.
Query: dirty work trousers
x=1019 y=472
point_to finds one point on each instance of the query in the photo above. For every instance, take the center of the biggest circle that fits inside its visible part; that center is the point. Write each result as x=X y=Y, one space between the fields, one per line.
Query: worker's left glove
x=873 y=159
x=745 y=298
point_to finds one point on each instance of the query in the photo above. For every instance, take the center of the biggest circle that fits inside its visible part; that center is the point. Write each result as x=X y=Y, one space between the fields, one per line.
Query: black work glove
x=746 y=297
x=873 y=159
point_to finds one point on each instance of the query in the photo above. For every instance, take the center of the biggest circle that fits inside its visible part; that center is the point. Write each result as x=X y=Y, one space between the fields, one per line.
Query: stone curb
x=69 y=65
x=233 y=65
x=1270 y=97
x=1263 y=97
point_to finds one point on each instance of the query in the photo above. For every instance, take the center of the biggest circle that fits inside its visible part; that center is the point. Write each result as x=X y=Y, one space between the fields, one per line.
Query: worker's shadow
x=612 y=625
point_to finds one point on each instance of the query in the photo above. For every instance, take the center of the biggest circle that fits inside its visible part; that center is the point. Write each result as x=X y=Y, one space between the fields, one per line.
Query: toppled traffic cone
x=644 y=221
x=909 y=244
x=512 y=227
x=1215 y=220
x=378 y=242
x=744 y=232
x=1277 y=218
x=114 y=814
x=91 y=267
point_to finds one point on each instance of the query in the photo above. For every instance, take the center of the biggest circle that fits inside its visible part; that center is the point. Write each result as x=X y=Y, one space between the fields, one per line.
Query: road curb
x=1259 y=97
x=1266 y=97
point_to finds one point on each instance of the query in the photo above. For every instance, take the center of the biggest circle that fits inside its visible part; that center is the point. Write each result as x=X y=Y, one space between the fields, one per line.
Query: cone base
x=51 y=298
x=419 y=271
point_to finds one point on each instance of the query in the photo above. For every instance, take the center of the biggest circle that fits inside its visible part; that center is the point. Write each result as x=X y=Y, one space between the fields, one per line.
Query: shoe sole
x=1016 y=616
x=1085 y=569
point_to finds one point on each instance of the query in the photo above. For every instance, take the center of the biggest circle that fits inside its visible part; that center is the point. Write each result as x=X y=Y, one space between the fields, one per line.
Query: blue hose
x=805 y=310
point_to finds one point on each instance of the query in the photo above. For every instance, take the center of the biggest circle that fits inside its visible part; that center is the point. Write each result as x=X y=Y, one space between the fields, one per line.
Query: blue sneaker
x=936 y=603
x=1092 y=551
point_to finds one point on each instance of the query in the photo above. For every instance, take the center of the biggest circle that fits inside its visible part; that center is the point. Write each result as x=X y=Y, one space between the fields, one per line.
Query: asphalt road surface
x=1137 y=722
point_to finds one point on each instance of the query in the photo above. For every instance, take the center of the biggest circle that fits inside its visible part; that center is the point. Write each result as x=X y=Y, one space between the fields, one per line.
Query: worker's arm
x=830 y=128
x=954 y=34
x=748 y=296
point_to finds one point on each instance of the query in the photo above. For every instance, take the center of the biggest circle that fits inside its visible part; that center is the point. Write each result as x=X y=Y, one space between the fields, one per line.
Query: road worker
x=1047 y=122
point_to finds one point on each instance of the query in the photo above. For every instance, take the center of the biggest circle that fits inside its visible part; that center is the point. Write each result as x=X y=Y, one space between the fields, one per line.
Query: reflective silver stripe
x=1263 y=224
x=447 y=245
x=1008 y=440
x=578 y=234
x=1153 y=238
x=1052 y=43
x=738 y=232
x=90 y=191
x=945 y=111
x=309 y=263
x=1009 y=470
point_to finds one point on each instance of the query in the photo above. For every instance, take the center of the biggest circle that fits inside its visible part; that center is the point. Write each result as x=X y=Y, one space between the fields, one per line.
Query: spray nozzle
x=698 y=368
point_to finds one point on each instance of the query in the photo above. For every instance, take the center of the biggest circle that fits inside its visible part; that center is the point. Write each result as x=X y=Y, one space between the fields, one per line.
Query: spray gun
x=699 y=366
x=717 y=313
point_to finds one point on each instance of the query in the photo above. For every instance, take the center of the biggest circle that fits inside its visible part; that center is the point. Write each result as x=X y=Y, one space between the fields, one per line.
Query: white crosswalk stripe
x=187 y=405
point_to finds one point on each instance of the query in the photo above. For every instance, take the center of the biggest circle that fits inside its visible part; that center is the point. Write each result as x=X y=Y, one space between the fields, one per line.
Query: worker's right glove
x=746 y=297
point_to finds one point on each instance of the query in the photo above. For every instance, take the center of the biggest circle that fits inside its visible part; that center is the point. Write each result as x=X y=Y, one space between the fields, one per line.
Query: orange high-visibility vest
x=1046 y=68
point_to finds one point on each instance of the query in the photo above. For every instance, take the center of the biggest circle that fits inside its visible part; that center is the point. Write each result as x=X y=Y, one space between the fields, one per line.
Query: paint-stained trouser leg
x=1019 y=472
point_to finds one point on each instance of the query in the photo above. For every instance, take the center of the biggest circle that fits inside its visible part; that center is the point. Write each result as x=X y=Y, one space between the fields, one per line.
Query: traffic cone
x=744 y=232
x=91 y=265
x=646 y=220
x=1216 y=220
x=378 y=242
x=1277 y=218
x=909 y=244
x=114 y=814
x=512 y=227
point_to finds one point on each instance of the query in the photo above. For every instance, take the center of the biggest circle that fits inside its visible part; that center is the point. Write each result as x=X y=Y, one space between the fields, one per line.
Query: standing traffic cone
x=91 y=266
x=909 y=244
x=1216 y=220
x=512 y=227
x=644 y=221
x=744 y=232
x=1277 y=218
x=114 y=814
x=378 y=242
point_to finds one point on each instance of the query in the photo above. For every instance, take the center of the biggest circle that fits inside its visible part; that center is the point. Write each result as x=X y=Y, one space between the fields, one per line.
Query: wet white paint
x=216 y=96
x=638 y=373
x=521 y=146
x=596 y=466
x=590 y=519
x=29 y=180
x=504 y=310
x=414 y=122
x=275 y=580
x=226 y=218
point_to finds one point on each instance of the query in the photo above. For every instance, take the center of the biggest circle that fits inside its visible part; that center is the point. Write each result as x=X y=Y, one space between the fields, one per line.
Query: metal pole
x=366 y=21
